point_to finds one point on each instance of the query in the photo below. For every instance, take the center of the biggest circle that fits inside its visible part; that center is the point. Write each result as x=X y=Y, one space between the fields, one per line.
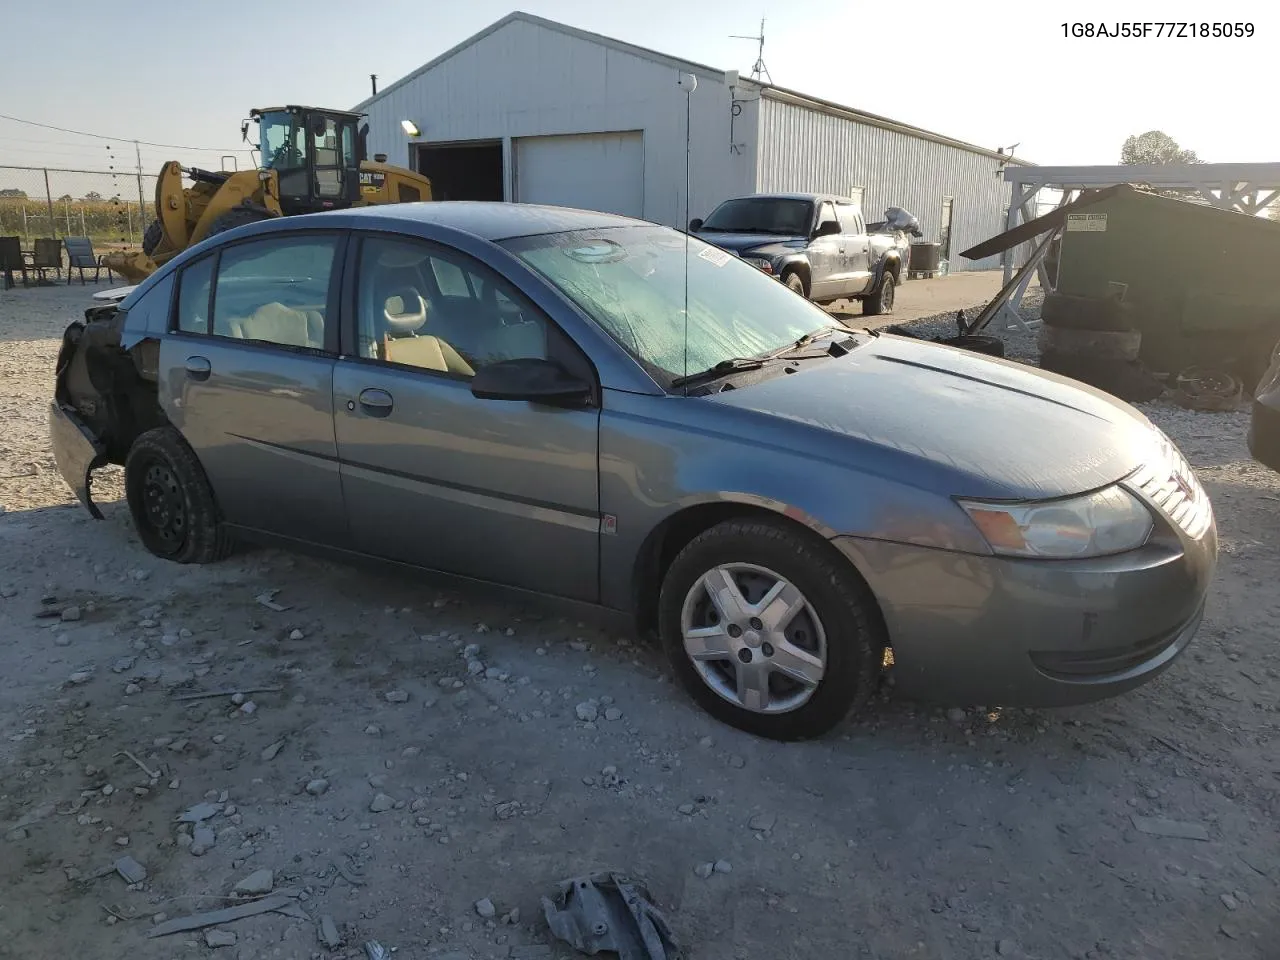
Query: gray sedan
x=607 y=412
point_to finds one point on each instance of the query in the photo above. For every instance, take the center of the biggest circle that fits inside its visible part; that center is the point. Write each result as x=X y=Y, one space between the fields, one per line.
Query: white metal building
x=539 y=112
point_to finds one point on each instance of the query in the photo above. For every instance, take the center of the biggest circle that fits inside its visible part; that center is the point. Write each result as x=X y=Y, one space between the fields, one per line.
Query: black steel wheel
x=171 y=500
x=795 y=283
x=881 y=301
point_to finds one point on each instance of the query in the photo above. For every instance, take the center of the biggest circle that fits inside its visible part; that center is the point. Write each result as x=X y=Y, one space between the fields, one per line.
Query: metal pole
x=82 y=227
x=48 y=196
x=141 y=203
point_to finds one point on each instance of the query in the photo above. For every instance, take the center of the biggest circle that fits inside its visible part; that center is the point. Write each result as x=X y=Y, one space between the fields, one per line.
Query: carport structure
x=1248 y=188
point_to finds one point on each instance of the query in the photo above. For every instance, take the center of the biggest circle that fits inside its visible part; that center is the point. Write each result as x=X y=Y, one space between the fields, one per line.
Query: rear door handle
x=375 y=402
x=198 y=368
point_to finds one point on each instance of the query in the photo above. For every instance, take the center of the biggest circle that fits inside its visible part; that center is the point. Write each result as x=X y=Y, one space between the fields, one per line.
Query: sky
x=994 y=74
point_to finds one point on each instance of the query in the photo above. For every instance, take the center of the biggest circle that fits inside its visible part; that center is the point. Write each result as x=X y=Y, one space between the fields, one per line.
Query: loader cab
x=314 y=154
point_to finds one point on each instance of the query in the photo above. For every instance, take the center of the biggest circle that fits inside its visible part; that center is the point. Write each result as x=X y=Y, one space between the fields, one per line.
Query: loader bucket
x=135 y=266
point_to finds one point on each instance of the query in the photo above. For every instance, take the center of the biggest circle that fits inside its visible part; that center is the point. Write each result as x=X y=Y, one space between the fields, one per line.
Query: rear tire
x=236 y=217
x=795 y=283
x=881 y=301
x=836 y=634
x=151 y=239
x=171 y=500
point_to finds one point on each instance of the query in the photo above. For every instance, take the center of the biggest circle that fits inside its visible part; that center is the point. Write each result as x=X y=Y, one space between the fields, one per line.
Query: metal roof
x=690 y=66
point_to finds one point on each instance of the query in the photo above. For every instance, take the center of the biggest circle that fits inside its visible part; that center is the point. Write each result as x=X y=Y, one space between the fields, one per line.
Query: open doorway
x=468 y=170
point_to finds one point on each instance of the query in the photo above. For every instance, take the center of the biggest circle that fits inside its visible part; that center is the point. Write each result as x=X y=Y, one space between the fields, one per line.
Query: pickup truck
x=818 y=245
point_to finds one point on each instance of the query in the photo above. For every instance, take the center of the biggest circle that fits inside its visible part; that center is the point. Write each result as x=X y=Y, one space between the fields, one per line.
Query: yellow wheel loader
x=312 y=159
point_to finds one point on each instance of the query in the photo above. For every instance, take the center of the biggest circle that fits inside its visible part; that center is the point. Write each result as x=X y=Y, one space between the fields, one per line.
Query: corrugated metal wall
x=803 y=149
x=525 y=79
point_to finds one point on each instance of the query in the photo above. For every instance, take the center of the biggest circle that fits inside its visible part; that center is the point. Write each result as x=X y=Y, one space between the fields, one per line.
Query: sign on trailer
x=1087 y=222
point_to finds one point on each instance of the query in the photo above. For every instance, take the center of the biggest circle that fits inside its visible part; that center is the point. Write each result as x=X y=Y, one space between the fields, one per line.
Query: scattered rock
x=219 y=938
x=248 y=708
x=722 y=866
x=132 y=689
x=512 y=917
x=763 y=822
x=202 y=840
x=373 y=730
x=737 y=762
x=130 y=870
x=587 y=711
x=704 y=870
x=200 y=812
x=123 y=665
x=396 y=696
x=972 y=926
x=381 y=803
x=80 y=677
x=295 y=634
x=685 y=808
x=257 y=883
x=71 y=613
x=317 y=786
x=270 y=752
x=613 y=713
x=485 y=908
x=706 y=742
x=328 y=933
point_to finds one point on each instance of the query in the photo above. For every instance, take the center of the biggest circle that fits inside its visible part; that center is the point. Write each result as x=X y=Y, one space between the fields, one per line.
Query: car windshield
x=632 y=282
x=761 y=215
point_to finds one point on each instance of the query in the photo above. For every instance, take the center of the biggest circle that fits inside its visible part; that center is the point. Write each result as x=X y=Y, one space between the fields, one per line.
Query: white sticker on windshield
x=716 y=256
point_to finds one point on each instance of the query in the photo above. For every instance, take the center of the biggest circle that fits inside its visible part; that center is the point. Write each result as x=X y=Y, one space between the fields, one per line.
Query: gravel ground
x=409 y=754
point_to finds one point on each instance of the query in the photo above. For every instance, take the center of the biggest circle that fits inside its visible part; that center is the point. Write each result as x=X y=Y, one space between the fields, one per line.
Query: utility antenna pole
x=758 y=69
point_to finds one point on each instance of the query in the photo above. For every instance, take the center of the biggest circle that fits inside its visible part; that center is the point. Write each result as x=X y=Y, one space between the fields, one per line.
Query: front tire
x=882 y=300
x=795 y=283
x=236 y=217
x=171 y=500
x=768 y=631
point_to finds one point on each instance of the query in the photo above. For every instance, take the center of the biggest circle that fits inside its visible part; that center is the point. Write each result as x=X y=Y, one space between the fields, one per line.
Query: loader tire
x=151 y=239
x=1092 y=344
x=236 y=217
x=1086 y=313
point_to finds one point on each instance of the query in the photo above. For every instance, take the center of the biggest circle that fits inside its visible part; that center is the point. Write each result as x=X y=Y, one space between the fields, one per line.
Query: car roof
x=484 y=219
x=795 y=196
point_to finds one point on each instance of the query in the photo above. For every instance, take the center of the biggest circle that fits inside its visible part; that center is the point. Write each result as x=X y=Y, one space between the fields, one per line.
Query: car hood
x=955 y=422
x=765 y=243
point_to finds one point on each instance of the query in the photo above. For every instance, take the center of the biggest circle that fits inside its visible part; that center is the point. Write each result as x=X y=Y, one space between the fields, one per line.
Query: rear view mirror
x=695 y=224
x=828 y=228
x=530 y=379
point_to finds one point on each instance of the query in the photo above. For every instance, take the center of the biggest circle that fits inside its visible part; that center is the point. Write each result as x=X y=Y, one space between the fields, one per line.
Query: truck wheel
x=768 y=631
x=171 y=501
x=236 y=217
x=151 y=239
x=882 y=300
x=795 y=283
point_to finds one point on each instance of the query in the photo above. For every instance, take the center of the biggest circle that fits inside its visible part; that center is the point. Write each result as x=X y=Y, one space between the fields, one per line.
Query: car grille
x=1172 y=487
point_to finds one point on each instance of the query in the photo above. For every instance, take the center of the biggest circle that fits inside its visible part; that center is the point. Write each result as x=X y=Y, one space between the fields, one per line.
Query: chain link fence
x=111 y=209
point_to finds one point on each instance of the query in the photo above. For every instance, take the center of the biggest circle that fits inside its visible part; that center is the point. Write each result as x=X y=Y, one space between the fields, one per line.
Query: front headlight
x=760 y=263
x=1108 y=521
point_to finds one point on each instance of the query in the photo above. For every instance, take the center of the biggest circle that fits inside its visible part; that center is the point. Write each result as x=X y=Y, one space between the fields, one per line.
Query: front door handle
x=198 y=368
x=375 y=402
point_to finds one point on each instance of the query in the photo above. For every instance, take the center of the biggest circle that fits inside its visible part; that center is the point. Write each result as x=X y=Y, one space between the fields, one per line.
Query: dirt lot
x=917 y=832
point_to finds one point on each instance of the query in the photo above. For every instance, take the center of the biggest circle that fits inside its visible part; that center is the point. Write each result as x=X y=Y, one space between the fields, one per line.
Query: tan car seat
x=404 y=314
x=276 y=323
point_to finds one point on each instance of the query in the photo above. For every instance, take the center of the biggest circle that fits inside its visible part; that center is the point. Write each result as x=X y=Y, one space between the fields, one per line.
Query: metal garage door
x=594 y=171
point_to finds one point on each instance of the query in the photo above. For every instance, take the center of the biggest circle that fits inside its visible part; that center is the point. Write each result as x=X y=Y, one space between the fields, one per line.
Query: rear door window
x=850 y=222
x=275 y=290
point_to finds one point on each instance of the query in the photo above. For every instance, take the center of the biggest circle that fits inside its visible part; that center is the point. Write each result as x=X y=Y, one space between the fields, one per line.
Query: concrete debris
x=219 y=938
x=199 y=813
x=257 y=883
x=328 y=933
x=1178 y=829
x=612 y=714
x=268 y=600
x=272 y=751
x=213 y=918
x=587 y=711
x=396 y=696
x=485 y=908
x=381 y=803
x=71 y=613
x=317 y=786
x=704 y=870
x=130 y=870
x=248 y=708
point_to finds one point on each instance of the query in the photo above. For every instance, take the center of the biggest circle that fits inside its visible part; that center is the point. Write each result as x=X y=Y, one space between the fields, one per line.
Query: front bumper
x=1264 y=434
x=77 y=453
x=971 y=629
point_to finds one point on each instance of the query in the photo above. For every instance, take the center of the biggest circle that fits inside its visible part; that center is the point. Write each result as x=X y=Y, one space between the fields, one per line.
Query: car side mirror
x=827 y=228
x=695 y=224
x=531 y=379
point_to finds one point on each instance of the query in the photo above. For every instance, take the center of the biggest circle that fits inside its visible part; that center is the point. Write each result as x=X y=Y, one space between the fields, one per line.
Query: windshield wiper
x=724 y=367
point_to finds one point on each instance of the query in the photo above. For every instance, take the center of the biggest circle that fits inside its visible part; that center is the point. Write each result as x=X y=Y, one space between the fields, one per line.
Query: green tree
x=93 y=195
x=1155 y=147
